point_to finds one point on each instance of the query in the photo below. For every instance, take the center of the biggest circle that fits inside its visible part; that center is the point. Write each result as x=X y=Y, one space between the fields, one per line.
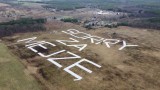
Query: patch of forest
x=21 y=26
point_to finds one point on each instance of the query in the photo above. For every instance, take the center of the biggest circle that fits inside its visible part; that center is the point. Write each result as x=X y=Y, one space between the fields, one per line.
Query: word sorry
x=96 y=40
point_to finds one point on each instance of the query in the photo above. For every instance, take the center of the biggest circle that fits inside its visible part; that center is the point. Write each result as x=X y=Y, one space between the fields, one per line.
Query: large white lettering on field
x=125 y=45
x=109 y=42
x=97 y=40
x=74 y=56
x=40 y=44
x=28 y=40
x=63 y=41
x=31 y=44
x=79 y=46
x=67 y=69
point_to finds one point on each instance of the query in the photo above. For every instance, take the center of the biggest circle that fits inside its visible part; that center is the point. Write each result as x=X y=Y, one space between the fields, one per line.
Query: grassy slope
x=12 y=76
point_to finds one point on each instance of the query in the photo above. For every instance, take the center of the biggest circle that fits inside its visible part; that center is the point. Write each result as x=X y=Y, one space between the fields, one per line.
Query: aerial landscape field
x=79 y=45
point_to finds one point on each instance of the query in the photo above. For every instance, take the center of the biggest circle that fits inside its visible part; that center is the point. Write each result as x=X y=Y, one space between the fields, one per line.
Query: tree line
x=21 y=26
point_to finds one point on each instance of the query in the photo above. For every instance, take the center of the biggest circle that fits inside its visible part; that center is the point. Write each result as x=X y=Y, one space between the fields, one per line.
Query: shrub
x=72 y=20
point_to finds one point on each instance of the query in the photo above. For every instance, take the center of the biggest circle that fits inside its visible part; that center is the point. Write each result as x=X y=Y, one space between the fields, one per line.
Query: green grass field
x=12 y=75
